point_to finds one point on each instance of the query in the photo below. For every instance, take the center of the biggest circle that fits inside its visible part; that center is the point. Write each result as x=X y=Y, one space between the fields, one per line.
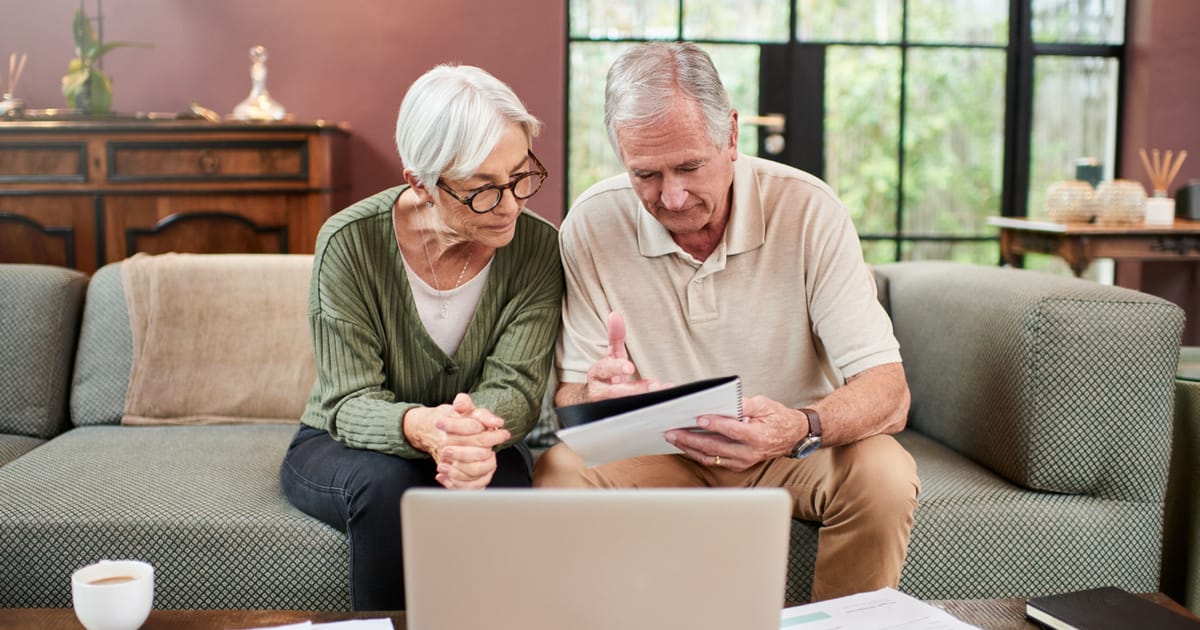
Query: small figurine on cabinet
x=10 y=105
x=259 y=105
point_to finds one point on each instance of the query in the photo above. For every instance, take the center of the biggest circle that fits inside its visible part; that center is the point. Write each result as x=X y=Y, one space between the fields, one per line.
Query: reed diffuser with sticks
x=1162 y=169
x=10 y=105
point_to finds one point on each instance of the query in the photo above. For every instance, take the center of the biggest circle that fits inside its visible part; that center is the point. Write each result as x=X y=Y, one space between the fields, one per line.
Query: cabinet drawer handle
x=209 y=162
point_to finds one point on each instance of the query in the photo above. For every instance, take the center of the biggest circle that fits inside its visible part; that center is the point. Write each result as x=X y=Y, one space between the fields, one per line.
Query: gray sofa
x=200 y=503
x=1041 y=424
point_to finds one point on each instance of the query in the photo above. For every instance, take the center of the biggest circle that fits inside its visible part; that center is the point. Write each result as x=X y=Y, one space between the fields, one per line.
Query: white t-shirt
x=459 y=304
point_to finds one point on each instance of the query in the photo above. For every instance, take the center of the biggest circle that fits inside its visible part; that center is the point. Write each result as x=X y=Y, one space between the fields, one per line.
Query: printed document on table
x=885 y=608
x=351 y=624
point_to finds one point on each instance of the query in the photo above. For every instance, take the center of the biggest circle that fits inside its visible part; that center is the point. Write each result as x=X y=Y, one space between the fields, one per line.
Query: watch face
x=809 y=445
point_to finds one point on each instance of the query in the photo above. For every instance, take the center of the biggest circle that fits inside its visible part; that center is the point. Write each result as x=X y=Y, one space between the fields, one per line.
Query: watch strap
x=814 y=421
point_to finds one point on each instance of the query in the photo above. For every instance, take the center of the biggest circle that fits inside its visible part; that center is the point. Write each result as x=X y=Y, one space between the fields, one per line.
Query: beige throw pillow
x=218 y=338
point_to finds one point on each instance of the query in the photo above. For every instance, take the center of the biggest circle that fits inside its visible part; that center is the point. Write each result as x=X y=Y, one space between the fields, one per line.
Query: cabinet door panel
x=208 y=161
x=210 y=224
x=30 y=162
x=48 y=231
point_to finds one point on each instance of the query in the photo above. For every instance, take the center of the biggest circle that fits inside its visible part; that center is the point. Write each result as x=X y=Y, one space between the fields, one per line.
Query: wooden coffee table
x=991 y=614
x=64 y=618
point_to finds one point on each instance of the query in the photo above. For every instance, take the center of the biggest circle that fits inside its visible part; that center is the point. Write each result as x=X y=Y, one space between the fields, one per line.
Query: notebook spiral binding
x=741 y=416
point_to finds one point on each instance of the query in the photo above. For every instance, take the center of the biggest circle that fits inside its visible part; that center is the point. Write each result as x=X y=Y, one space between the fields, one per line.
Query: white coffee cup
x=113 y=594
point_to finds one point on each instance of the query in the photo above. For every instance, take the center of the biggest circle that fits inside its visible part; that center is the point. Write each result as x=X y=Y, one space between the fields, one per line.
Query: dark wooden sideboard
x=82 y=193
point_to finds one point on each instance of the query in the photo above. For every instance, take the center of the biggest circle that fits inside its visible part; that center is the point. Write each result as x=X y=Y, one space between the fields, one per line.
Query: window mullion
x=1018 y=123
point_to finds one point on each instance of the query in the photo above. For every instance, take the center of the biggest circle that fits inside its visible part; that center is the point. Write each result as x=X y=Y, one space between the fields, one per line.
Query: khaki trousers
x=862 y=494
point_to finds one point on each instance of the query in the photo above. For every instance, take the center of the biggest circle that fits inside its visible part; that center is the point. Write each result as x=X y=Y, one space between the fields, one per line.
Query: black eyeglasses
x=522 y=185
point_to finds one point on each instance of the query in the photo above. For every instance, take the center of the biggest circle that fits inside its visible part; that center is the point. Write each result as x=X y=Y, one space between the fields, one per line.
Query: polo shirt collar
x=746 y=228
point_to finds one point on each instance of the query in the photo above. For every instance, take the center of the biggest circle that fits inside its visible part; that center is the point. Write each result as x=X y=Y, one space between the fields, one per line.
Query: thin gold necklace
x=437 y=284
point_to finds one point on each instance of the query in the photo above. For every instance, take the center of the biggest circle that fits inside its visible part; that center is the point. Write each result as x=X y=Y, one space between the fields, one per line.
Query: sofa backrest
x=39 y=322
x=1054 y=382
x=105 y=352
x=227 y=353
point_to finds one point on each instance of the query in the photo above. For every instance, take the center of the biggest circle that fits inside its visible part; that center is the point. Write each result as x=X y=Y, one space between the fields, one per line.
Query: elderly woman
x=434 y=308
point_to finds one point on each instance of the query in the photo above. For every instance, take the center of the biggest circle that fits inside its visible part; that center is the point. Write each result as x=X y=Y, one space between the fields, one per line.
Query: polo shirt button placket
x=701 y=301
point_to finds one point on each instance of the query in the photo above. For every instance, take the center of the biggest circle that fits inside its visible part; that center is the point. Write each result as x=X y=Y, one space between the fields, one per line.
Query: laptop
x=595 y=559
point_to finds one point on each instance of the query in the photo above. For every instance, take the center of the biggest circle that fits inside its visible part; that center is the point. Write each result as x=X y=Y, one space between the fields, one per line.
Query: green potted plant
x=85 y=85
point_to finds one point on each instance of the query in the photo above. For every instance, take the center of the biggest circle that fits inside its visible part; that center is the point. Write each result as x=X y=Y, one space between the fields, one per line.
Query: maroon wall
x=1163 y=86
x=346 y=61
x=1162 y=90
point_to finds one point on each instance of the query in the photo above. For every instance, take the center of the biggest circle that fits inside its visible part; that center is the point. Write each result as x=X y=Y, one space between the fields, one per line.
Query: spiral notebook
x=631 y=426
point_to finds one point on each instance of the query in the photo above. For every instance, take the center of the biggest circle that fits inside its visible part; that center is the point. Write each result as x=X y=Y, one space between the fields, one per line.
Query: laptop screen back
x=581 y=559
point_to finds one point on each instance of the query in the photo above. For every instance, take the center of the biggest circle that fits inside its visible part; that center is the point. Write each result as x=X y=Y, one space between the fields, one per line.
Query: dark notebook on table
x=1101 y=609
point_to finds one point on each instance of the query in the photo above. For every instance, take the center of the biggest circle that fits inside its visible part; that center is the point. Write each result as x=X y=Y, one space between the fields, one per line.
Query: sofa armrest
x=39 y=322
x=1056 y=383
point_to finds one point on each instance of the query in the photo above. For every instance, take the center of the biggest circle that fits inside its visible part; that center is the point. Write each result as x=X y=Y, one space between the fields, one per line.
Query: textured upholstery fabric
x=39 y=322
x=802 y=557
x=976 y=535
x=1019 y=382
x=105 y=352
x=14 y=446
x=1181 y=535
x=200 y=503
x=1031 y=374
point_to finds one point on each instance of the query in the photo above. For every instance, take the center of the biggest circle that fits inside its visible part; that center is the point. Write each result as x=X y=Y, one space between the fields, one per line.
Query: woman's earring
x=428 y=204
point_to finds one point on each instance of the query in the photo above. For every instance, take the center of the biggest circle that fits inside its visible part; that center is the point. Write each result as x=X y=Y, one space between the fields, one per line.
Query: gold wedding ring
x=717 y=461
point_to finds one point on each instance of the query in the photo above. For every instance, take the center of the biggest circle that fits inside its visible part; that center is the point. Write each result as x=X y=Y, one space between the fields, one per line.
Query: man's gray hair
x=451 y=119
x=643 y=81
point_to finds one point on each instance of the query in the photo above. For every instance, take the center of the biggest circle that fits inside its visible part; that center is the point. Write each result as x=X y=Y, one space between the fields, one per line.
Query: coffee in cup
x=113 y=594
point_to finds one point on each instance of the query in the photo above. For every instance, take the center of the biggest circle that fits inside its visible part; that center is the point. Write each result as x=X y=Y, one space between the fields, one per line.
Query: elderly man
x=721 y=263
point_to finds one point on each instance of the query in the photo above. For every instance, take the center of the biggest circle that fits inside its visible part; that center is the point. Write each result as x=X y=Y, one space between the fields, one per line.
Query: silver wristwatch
x=813 y=441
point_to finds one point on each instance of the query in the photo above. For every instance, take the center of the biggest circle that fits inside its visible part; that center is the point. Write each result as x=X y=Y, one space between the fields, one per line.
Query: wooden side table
x=1081 y=243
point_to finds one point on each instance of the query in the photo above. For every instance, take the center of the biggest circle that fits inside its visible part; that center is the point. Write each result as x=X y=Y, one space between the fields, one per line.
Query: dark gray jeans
x=358 y=491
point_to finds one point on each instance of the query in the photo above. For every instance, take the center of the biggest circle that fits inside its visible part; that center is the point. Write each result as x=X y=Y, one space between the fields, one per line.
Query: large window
x=926 y=116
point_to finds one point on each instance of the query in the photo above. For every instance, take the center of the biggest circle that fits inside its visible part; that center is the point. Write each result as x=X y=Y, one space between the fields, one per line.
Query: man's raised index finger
x=616 y=336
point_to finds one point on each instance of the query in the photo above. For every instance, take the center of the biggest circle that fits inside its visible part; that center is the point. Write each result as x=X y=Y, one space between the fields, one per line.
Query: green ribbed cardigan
x=375 y=361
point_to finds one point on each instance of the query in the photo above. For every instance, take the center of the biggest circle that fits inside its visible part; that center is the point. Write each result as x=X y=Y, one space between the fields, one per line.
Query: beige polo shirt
x=785 y=301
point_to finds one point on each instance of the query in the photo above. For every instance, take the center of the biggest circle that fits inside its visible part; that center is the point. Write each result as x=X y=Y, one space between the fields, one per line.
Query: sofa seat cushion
x=202 y=504
x=969 y=518
x=1040 y=542
x=14 y=446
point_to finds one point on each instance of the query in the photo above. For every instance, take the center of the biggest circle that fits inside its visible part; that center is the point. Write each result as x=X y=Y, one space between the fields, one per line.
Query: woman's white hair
x=451 y=119
x=644 y=81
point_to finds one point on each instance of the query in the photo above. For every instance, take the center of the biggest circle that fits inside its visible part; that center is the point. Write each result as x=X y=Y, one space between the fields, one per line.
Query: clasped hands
x=461 y=438
x=769 y=429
